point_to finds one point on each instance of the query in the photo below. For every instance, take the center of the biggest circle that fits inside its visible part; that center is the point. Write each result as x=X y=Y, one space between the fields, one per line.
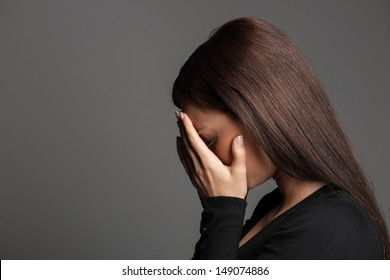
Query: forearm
x=221 y=227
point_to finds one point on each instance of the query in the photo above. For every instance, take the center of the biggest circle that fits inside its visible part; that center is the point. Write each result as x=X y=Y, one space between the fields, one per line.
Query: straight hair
x=250 y=70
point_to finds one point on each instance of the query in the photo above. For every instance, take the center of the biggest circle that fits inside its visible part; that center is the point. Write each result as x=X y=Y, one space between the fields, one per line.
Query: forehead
x=206 y=118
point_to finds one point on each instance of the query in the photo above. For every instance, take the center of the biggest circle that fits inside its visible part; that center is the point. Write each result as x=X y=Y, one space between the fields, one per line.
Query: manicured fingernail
x=240 y=140
x=179 y=115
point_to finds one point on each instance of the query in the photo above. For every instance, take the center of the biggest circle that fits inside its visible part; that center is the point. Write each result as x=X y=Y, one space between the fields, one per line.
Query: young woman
x=253 y=109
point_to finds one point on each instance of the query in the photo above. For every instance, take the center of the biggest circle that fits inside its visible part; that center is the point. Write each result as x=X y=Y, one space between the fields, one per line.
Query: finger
x=194 y=139
x=193 y=166
x=188 y=165
x=183 y=136
x=182 y=157
x=195 y=169
x=238 y=152
x=197 y=161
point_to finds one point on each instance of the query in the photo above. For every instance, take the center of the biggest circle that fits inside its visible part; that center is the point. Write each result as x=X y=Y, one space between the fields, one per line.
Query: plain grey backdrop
x=88 y=163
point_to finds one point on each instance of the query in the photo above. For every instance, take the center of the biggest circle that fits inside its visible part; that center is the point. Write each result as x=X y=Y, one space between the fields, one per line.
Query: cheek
x=223 y=152
x=259 y=167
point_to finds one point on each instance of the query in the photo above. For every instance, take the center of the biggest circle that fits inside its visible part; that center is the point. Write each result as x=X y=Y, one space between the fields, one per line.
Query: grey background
x=87 y=142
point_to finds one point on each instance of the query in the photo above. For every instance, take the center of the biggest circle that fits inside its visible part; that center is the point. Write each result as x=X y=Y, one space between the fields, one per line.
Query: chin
x=254 y=183
x=251 y=187
x=251 y=184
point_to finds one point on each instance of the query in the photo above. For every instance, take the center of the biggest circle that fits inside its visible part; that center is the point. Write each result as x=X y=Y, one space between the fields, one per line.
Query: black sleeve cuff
x=221 y=226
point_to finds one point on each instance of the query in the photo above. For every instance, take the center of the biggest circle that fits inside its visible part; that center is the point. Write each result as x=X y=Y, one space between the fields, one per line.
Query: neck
x=294 y=190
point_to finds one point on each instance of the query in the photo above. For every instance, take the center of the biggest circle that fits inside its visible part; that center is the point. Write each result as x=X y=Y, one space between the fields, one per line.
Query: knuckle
x=239 y=169
x=199 y=170
x=240 y=155
x=209 y=174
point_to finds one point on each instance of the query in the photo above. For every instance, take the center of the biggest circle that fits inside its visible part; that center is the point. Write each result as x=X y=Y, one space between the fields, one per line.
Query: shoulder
x=334 y=210
x=333 y=225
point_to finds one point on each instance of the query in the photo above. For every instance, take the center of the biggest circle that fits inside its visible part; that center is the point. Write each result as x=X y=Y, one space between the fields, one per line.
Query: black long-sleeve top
x=328 y=224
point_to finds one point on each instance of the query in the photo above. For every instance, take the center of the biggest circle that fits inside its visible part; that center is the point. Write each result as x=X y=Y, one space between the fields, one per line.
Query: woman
x=253 y=109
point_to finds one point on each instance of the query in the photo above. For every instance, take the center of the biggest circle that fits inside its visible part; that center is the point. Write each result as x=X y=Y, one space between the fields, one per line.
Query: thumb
x=238 y=151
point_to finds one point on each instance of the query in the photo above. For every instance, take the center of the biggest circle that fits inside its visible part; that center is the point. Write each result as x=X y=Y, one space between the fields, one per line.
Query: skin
x=212 y=124
x=219 y=166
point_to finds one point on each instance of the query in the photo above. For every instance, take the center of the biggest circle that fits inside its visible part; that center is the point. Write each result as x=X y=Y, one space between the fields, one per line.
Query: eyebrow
x=202 y=128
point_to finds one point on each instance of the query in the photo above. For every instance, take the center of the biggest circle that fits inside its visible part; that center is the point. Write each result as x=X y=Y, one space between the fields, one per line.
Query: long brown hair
x=252 y=71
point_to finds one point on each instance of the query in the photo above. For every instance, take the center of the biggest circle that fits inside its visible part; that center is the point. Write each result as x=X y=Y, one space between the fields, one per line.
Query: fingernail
x=179 y=115
x=240 y=140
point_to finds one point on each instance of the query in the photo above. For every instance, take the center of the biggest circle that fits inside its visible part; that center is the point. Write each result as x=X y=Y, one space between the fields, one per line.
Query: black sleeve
x=221 y=227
